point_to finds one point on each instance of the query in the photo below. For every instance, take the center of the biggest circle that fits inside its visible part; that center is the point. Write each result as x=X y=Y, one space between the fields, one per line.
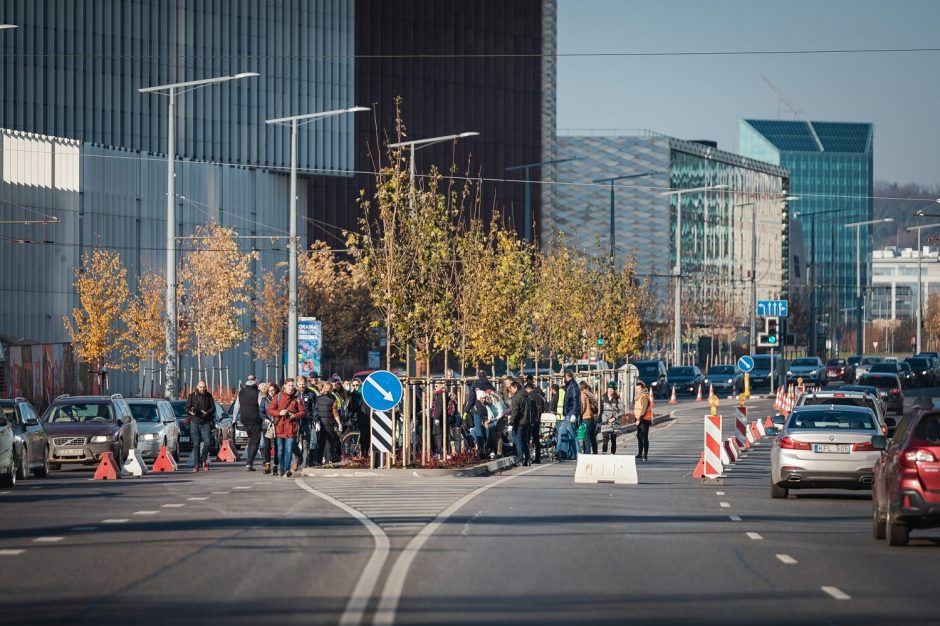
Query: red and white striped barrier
x=713 y=465
x=740 y=426
x=729 y=452
x=760 y=428
x=755 y=432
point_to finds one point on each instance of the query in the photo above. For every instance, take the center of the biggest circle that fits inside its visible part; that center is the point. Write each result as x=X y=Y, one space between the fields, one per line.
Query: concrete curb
x=483 y=469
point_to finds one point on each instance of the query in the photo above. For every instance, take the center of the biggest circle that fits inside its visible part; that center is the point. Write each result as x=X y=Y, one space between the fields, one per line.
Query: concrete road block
x=134 y=465
x=606 y=468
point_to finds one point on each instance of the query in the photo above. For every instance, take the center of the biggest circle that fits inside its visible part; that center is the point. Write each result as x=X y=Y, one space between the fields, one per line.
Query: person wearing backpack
x=589 y=418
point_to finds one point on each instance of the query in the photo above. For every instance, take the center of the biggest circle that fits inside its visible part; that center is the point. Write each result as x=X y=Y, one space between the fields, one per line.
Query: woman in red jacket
x=287 y=410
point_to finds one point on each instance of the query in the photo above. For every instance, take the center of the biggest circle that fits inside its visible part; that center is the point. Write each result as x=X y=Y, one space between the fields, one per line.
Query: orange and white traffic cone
x=698 y=397
x=673 y=400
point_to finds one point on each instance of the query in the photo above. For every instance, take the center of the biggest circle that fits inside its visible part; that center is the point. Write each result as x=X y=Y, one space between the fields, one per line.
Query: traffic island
x=480 y=469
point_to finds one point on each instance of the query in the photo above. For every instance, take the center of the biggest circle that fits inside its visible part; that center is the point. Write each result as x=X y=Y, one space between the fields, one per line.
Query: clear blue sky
x=704 y=97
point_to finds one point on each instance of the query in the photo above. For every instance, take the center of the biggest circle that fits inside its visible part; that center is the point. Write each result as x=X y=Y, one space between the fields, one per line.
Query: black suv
x=30 y=445
x=653 y=373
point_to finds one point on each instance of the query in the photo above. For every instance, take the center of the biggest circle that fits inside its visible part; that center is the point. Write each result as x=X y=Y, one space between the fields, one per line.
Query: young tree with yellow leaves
x=216 y=274
x=269 y=315
x=101 y=285
x=144 y=336
x=932 y=320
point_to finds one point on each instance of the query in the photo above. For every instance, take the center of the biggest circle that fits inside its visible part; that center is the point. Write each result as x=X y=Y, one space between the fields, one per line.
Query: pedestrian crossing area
x=399 y=505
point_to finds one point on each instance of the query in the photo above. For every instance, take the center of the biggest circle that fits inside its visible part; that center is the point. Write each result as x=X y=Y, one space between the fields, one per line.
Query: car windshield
x=917 y=364
x=647 y=369
x=844 y=401
x=145 y=412
x=680 y=371
x=721 y=369
x=762 y=362
x=870 y=360
x=928 y=430
x=835 y=362
x=904 y=367
x=882 y=382
x=179 y=408
x=804 y=362
x=81 y=412
x=834 y=419
x=884 y=367
x=853 y=360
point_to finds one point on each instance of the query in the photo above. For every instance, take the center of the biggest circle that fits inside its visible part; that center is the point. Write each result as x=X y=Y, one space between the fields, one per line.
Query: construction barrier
x=760 y=428
x=165 y=462
x=713 y=466
x=134 y=465
x=226 y=454
x=740 y=426
x=754 y=431
x=699 y=471
x=728 y=455
x=769 y=422
x=619 y=469
x=750 y=438
x=107 y=469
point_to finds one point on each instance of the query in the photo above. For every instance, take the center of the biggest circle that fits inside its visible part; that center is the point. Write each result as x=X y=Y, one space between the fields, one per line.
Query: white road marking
x=735 y=518
x=199 y=499
x=359 y=598
x=47 y=539
x=83 y=529
x=786 y=558
x=837 y=593
x=11 y=552
x=755 y=536
x=263 y=482
x=174 y=505
x=249 y=487
x=395 y=579
x=6 y=493
x=220 y=493
x=146 y=512
x=725 y=505
x=719 y=493
x=114 y=521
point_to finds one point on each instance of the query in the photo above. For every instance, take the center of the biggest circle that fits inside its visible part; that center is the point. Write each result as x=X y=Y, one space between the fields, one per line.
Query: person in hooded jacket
x=287 y=409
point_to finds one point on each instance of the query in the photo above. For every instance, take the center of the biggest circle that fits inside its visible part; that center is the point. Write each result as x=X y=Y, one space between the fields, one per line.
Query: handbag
x=269 y=432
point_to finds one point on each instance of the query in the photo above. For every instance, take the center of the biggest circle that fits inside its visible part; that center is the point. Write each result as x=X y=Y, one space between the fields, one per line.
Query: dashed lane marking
x=198 y=499
x=719 y=493
x=248 y=487
x=83 y=529
x=47 y=539
x=11 y=552
x=837 y=593
x=755 y=536
x=735 y=518
x=146 y=512
x=220 y=493
x=786 y=558
x=115 y=521
x=174 y=505
x=725 y=505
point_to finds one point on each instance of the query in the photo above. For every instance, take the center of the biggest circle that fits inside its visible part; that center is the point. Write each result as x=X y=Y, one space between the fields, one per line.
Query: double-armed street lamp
x=294 y=121
x=527 y=201
x=677 y=268
x=859 y=343
x=171 y=91
x=613 y=225
x=417 y=144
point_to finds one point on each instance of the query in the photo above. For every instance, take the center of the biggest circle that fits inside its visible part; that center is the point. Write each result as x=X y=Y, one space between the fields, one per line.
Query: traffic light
x=770 y=338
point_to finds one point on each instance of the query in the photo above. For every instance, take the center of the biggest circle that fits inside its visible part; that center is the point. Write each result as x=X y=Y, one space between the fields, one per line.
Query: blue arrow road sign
x=746 y=363
x=772 y=308
x=382 y=390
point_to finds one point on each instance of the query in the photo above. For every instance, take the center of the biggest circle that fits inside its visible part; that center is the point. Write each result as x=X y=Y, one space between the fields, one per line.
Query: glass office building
x=716 y=226
x=830 y=166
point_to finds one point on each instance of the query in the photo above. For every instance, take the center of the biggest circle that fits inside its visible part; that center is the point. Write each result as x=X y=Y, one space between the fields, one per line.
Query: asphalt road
x=526 y=546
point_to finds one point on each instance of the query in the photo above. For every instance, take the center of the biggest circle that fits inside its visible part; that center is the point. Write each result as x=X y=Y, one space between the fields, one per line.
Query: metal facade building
x=716 y=229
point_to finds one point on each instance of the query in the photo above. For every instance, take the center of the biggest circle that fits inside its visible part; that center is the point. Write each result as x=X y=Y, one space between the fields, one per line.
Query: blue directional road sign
x=382 y=390
x=746 y=363
x=772 y=308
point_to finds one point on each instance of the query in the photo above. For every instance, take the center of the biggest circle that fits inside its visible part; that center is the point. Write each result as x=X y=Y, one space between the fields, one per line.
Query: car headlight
x=924 y=373
x=789 y=372
x=102 y=439
x=656 y=383
x=148 y=436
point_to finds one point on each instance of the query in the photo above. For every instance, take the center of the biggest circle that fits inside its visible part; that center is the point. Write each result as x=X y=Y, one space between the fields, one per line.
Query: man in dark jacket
x=201 y=410
x=475 y=407
x=519 y=423
x=571 y=413
x=306 y=450
x=247 y=412
x=536 y=408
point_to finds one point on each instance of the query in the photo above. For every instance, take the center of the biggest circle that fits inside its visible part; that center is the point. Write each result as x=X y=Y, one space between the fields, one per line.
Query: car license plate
x=184 y=438
x=71 y=452
x=832 y=448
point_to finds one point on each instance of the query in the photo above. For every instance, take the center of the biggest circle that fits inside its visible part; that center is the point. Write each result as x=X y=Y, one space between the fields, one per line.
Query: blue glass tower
x=830 y=166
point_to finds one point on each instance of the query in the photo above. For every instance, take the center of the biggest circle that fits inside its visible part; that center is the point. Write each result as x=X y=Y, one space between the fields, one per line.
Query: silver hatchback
x=826 y=447
x=157 y=426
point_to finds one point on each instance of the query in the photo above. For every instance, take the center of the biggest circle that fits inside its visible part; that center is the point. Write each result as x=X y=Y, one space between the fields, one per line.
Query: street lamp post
x=677 y=268
x=294 y=121
x=613 y=225
x=527 y=201
x=859 y=329
x=171 y=91
x=920 y=273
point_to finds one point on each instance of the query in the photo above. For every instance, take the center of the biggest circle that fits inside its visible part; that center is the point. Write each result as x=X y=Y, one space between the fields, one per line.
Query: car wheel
x=20 y=462
x=43 y=470
x=898 y=533
x=877 y=523
x=776 y=491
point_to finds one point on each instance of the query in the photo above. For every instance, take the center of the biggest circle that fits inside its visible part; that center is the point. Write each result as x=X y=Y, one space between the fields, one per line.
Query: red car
x=837 y=369
x=906 y=486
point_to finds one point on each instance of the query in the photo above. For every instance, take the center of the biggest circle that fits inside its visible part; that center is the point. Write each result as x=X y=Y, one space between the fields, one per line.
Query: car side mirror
x=32 y=422
x=879 y=442
x=778 y=419
x=770 y=431
x=125 y=419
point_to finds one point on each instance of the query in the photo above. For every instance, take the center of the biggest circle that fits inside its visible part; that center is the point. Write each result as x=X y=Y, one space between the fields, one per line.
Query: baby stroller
x=548 y=435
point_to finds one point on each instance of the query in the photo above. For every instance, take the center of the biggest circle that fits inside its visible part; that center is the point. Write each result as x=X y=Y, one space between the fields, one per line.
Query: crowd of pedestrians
x=301 y=422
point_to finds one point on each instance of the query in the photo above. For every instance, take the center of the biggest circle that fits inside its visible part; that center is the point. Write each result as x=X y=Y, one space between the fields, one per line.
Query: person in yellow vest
x=643 y=411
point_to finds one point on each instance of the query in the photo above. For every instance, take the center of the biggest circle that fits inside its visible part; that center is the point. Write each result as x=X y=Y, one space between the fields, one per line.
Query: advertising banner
x=309 y=341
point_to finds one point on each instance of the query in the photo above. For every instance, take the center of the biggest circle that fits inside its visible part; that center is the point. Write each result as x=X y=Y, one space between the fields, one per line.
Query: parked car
x=157 y=427
x=7 y=458
x=82 y=429
x=825 y=447
x=924 y=373
x=685 y=378
x=653 y=373
x=725 y=378
x=890 y=367
x=865 y=365
x=30 y=444
x=889 y=387
x=767 y=372
x=837 y=369
x=222 y=427
x=906 y=488
x=810 y=369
